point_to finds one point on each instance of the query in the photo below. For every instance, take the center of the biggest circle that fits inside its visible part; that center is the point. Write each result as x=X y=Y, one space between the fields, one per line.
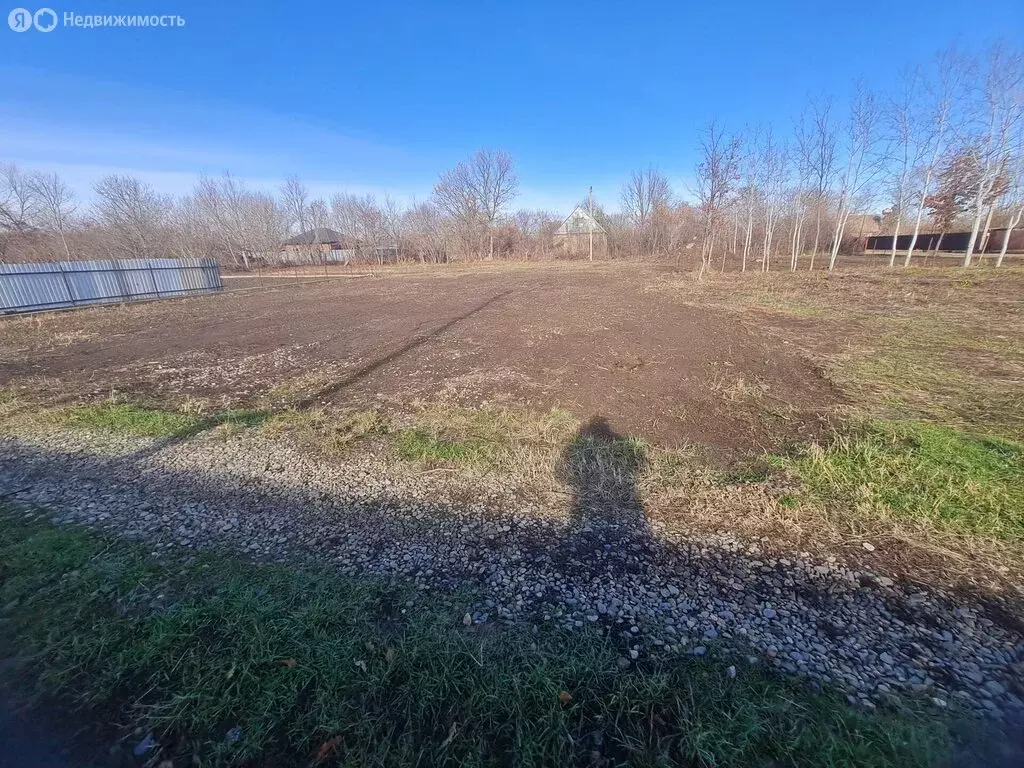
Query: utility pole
x=590 y=224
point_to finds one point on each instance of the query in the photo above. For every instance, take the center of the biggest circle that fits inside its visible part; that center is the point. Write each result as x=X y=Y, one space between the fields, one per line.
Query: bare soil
x=592 y=339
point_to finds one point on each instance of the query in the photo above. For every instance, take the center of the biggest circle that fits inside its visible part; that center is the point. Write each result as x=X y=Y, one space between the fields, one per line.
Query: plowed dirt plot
x=590 y=340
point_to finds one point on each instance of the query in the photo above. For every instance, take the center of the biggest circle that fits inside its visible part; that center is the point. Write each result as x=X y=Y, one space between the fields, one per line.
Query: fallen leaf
x=231 y=672
x=361 y=664
x=467 y=620
x=565 y=697
x=451 y=735
x=369 y=646
x=389 y=655
x=325 y=749
x=287 y=662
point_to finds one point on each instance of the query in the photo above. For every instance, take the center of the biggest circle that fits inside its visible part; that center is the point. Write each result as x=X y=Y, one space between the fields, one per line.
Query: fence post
x=152 y=277
x=67 y=283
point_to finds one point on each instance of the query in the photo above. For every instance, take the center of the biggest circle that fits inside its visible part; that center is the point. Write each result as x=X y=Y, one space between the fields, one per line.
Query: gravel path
x=652 y=587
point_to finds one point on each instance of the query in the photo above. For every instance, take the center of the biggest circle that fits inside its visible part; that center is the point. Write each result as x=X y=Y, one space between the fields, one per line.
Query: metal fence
x=34 y=287
x=952 y=241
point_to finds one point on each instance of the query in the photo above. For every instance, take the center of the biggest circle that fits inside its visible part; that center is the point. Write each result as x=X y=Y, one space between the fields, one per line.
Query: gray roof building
x=580 y=222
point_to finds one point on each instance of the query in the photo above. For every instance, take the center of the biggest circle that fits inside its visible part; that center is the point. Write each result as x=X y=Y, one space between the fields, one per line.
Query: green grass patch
x=961 y=482
x=418 y=445
x=304 y=664
x=128 y=419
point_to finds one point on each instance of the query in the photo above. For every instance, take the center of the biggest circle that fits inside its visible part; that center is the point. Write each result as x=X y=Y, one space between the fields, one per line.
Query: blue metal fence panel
x=35 y=287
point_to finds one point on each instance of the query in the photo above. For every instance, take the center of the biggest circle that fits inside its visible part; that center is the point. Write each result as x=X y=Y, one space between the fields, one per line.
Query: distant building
x=321 y=244
x=317 y=240
x=579 y=232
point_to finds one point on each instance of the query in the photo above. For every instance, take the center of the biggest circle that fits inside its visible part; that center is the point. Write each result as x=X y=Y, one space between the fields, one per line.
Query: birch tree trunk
x=794 y=258
x=840 y=230
x=747 y=238
x=986 y=231
x=1009 y=231
x=817 y=234
x=917 y=221
x=895 y=237
x=979 y=213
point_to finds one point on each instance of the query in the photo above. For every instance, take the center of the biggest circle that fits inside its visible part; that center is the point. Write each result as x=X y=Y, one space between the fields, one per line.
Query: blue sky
x=380 y=97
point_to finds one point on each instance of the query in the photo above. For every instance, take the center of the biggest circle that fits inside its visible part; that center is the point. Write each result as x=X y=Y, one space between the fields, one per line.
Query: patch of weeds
x=128 y=419
x=11 y=402
x=738 y=389
x=747 y=472
x=789 y=500
x=513 y=440
x=417 y=445
x=330 y=433
x=241 y=664
x=239 y=418
x=290 y=393
x=949 y=478
x=497 y=426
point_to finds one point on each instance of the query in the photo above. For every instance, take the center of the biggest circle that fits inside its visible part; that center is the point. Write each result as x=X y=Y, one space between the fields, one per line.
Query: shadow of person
x=602 y=468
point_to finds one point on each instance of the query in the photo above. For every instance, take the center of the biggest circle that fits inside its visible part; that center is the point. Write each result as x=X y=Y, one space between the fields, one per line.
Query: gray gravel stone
x=657 y=588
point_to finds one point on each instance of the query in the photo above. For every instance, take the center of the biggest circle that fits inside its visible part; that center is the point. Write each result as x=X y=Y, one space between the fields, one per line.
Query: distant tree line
x=943 y=152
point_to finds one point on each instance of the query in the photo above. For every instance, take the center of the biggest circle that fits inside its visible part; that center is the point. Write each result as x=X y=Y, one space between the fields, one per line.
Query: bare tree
x=646 y=195
x=455 y=197
x=1013 y=221
x=772 y=183
x=134 y=214
x=749 y=195
x=931 y=135
x=816 y=144
x=1014 y=197
x=428 y=233
x=862 y=163
x=716 y=178
x=56 y=204
x=362 y=219
x=241 y=223
x=319 y=217
x=218 y=203
x=190 y=233
x=19 y=207
x=19 y=204
x=295 y=201
x=903 y=151
x=1003 y=111
x=395 y=224
x=478 y=190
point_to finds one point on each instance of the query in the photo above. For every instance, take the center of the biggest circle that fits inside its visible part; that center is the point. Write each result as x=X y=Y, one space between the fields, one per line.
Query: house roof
x=579 y=222
x=316 y=236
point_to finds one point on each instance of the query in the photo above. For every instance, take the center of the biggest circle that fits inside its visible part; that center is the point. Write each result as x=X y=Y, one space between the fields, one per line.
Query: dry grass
x=938 y=347
x=938 y=344
x=548 y=456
